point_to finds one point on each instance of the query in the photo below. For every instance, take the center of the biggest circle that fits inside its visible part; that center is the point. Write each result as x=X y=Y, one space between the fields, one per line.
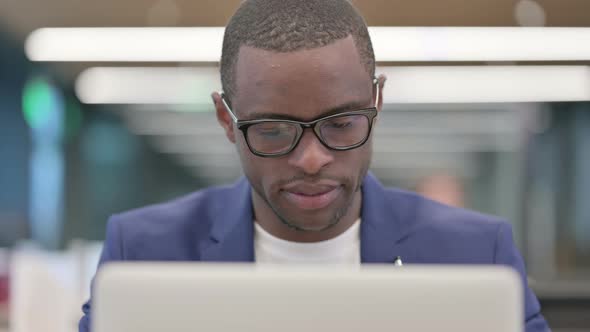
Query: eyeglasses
x=275 y=138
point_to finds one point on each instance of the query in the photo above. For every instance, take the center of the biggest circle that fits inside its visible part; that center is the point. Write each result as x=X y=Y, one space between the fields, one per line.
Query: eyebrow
x=350 y=106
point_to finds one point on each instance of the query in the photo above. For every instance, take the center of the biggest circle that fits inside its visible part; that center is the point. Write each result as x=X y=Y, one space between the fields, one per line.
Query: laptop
x=183 y=297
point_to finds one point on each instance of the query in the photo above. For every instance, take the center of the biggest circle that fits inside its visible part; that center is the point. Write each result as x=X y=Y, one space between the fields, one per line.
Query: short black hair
x=292 y=25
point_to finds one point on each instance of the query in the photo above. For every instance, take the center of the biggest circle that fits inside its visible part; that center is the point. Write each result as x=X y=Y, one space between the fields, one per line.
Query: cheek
x=248 y=160
x=356 y=159
x=366 y=151
x=259 y=171
x=356 y=165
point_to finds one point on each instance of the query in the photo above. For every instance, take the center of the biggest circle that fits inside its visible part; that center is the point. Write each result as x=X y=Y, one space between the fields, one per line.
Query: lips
x=312 y=196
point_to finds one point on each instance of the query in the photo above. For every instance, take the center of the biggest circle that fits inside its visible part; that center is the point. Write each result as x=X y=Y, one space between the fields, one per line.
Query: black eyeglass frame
x=370 y=113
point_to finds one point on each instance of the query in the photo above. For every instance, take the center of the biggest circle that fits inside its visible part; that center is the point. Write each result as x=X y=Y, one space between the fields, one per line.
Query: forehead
x=301 y=84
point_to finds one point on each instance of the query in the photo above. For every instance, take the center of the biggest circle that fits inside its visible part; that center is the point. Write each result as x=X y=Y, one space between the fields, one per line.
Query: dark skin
x=302 y=85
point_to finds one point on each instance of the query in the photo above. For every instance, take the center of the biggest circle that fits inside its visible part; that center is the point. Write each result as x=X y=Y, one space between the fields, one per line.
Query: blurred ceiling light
x=486 y=84
x=529 y=13
x=412 y=84
x=203 y=44
x=125 y=44
x=481 y=44
x=147 y=85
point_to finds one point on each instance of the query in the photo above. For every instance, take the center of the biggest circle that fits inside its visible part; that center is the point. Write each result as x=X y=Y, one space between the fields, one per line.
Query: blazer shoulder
x=438 y=233
x=173 y=211
x=181 y=220
x=419 y=213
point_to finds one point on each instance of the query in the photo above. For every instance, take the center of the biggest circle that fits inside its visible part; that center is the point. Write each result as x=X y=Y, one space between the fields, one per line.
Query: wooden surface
x=22 y=16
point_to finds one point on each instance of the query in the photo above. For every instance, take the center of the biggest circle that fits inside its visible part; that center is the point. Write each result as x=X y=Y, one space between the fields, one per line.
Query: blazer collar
x=231 y=238
x=232 y=232
x=381 y=225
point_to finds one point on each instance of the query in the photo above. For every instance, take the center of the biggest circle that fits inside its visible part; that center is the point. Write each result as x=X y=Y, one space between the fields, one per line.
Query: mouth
x=312 y=197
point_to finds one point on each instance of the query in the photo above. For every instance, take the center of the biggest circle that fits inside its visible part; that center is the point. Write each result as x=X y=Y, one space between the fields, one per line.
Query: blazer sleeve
x=506 y=253
x=112 y=251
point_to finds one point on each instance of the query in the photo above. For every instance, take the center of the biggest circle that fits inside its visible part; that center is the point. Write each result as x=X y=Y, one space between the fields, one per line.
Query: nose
x=310 y=155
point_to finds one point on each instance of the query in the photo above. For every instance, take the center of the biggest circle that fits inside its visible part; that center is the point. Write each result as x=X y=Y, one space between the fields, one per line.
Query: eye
x=273 y=130
x=269 y=132
x=340 y=124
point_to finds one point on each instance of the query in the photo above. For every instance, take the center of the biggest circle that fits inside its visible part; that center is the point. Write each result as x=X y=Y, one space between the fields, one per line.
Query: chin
x=314 y=221
x=319 y=227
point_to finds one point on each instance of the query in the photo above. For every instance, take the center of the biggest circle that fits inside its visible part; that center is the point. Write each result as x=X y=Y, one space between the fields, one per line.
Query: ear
x=381 y=79
x=223 y=117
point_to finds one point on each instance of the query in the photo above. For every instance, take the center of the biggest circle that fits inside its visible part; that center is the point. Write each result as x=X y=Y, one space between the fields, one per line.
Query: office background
x=83 y=138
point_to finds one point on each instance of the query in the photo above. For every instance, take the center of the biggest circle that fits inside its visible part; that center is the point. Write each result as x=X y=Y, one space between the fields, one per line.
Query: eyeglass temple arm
x=378 y=90
x=227 y=108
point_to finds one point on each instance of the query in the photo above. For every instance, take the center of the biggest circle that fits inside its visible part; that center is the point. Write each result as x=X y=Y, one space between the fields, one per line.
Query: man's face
x=312 y=187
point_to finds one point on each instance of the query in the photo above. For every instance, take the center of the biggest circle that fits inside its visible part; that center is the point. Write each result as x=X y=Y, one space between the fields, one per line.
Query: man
x=300 y=99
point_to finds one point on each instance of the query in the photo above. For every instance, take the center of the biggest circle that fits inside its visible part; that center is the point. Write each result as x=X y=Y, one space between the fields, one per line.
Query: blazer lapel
x=232 y=232
x=381 y=225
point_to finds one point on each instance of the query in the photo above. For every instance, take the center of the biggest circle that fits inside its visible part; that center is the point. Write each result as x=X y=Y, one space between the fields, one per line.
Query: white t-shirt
x=343 y=249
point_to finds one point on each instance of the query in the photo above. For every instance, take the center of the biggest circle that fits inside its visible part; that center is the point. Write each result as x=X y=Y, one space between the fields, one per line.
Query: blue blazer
x=215 y=224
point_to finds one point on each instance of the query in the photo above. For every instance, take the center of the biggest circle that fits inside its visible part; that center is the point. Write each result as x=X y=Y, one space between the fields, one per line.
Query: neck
x=271 y=223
